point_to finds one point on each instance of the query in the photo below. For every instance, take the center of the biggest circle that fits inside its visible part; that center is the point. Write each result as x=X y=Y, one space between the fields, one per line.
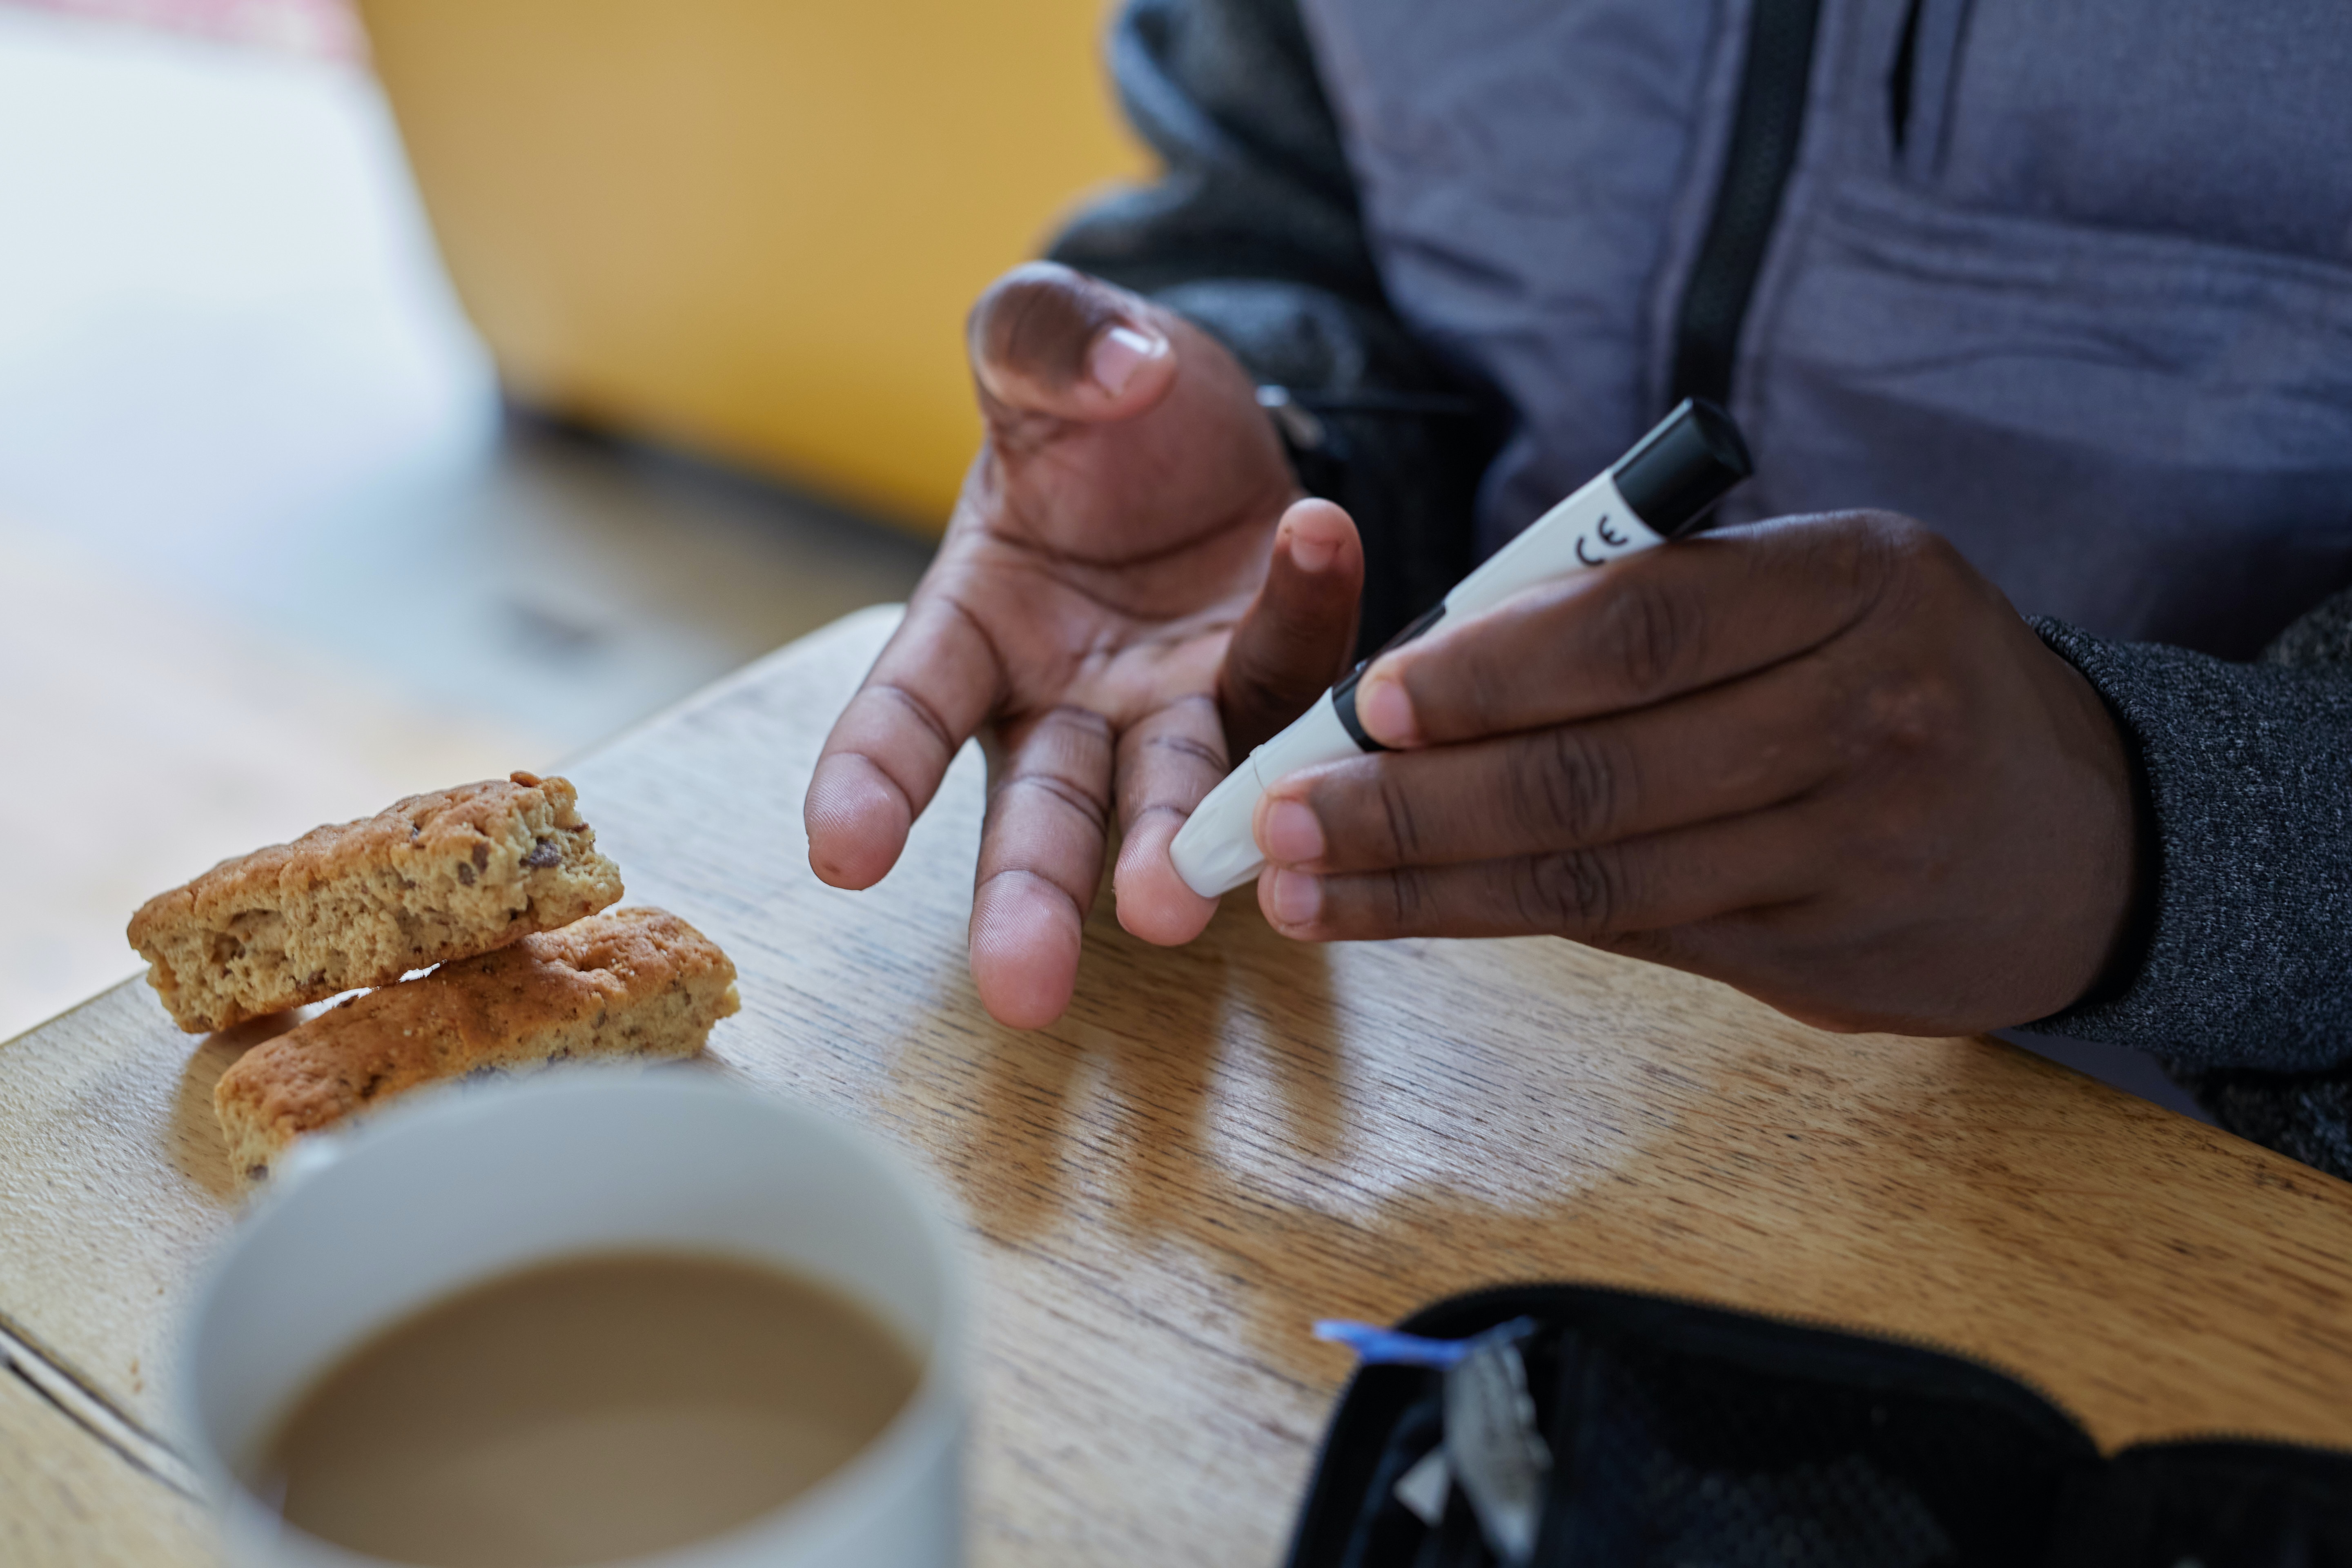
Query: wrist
x=2126 y=866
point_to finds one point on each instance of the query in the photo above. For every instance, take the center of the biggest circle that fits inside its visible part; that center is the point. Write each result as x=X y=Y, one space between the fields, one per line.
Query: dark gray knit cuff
x=2247 y=958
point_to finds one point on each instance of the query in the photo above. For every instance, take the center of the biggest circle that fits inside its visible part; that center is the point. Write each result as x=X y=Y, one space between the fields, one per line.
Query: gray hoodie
x=2070 y=280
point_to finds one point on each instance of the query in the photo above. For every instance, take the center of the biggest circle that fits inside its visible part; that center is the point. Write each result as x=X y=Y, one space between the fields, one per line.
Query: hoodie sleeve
x=2242 y=981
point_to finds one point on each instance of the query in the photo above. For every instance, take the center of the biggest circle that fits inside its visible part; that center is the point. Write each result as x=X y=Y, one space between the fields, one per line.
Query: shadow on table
x=1221 y=1136
x=1111 y=1110
x=194 y=1144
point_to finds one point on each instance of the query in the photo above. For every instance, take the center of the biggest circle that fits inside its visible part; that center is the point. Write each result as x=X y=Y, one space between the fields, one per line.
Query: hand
x=1126 y=591
x=1821 y=760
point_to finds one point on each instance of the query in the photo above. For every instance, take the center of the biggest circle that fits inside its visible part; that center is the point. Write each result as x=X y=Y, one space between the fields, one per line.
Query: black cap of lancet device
x=1682 y=468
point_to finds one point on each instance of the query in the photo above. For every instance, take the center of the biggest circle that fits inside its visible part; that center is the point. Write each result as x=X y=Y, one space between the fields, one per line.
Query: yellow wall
x=751 y=227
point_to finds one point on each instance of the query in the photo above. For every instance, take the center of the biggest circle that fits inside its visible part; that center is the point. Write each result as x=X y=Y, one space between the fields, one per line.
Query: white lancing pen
x=1659 y=491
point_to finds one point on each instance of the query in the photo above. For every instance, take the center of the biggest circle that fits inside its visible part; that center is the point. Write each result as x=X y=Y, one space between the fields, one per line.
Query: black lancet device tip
x=1684 y=467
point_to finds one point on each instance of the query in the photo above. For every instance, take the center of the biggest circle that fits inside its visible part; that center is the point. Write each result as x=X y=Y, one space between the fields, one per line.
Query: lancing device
x=1659 y=491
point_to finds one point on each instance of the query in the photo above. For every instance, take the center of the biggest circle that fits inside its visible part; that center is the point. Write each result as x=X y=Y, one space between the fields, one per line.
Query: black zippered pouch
x=1684 y=1435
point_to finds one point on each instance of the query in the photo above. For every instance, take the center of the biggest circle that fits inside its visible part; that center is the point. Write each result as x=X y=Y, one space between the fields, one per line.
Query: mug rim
x=931 y=1418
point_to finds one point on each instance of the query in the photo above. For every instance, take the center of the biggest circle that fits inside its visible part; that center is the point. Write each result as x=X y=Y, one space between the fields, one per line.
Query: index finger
x=935 y=681
x=1637 y=631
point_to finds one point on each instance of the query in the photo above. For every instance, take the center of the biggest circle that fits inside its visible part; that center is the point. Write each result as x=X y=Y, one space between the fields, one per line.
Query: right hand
x=1125 y=595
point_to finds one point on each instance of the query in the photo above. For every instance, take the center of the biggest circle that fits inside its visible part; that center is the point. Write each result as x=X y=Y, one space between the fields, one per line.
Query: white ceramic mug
x=367 y=1227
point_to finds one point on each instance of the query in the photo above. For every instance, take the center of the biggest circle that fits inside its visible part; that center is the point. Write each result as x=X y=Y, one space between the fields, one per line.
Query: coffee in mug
x=587 y=1409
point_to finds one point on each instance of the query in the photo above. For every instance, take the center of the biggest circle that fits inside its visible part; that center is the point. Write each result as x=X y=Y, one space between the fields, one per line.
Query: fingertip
x=1325 y=522
x=1120 y=351
x=1316 y=535
x=1151 y=897
x=1287 y=830
x=1384 y=708
x=1295 y=637
x=1045 y=340
x=857 y=822
x=1025 y=949
x=1130 y=367
x=1290 y=900
x=1312 y=556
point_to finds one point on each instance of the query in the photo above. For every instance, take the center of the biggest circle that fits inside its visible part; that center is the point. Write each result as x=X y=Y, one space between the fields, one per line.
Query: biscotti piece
x=635 y=981
x=438 y=877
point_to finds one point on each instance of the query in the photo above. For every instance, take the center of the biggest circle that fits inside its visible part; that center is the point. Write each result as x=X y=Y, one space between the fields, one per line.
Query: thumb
x=1045 y=340
x=1295 y=637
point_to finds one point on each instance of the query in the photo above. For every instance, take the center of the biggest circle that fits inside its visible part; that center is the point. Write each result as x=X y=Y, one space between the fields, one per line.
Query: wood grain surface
x=69 y=1500
x=1221 y=1143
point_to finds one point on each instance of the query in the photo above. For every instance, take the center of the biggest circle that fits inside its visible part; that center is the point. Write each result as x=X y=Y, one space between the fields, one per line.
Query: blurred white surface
x=146 y=742
x=269 y=555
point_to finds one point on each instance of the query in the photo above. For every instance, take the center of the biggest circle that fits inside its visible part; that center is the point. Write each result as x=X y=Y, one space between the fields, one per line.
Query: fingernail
x=1118 y=353
x=1311 y=555
x=1293 y=835
x=1296 y=898
x=1385 y=711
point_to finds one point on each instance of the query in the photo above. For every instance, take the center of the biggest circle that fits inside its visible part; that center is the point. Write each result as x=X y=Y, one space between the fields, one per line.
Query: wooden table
x=1218 y=1144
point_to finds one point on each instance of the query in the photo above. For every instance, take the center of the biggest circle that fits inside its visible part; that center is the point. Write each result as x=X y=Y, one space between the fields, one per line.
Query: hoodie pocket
x=2205 y=119
x=1919 y=84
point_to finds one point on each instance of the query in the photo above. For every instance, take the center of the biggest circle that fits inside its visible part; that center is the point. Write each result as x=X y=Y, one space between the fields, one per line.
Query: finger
x=1636 y=631
x=935 y=681
x=1166 y=761
x=1048 y=342
x=1295 y=637
x=1592 y=895
x=1041 y=855
x=1721 y=752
